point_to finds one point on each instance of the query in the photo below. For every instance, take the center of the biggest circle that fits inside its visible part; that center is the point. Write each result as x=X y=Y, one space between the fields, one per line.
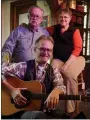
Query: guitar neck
x=61 y=97
x=70 y=97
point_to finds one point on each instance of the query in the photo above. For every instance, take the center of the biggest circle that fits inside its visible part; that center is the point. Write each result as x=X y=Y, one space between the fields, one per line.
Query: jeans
x=34 y=115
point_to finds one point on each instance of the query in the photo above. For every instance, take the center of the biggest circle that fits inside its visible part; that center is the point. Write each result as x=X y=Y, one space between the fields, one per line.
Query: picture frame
x=45 y=22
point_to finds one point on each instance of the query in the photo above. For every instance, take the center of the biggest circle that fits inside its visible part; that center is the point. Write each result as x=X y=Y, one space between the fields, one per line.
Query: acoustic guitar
x=34 y=94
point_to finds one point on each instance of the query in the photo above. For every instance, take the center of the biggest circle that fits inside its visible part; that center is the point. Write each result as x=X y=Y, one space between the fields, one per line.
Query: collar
x=33 y=30
x=71 y=28
x=41 y=67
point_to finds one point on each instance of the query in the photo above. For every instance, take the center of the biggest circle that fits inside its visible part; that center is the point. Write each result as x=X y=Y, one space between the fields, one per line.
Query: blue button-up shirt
x=20 y=44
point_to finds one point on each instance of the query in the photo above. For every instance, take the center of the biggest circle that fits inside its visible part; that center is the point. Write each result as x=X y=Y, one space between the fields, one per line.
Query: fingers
x=55 y=103
x=19 y=99
x=23 y=99
x=22 y=88
x=52 y=103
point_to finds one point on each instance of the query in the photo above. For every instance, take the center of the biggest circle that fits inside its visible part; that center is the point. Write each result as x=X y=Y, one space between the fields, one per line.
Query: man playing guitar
x=37 y=69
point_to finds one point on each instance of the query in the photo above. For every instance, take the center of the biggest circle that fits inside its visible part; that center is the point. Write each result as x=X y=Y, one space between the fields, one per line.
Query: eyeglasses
x=45 y=49
x=35 y=16
x=65 y=17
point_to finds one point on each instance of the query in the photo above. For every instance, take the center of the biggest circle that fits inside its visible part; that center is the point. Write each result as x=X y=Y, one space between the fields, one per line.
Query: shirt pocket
x=24 y=43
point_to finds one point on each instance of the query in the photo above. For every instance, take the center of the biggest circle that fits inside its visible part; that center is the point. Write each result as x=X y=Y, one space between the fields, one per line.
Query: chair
x=81 y=89
x=81 y=84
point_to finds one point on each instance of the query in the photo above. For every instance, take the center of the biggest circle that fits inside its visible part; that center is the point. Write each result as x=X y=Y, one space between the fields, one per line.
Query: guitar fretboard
x=61 y=97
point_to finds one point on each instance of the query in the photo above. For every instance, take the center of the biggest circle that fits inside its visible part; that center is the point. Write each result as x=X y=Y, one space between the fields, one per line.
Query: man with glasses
x=19 y=45
x=40 y=70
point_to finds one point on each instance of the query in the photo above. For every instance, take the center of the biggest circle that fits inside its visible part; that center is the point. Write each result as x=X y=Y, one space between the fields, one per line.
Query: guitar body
x=8 y=108
x=38 y=94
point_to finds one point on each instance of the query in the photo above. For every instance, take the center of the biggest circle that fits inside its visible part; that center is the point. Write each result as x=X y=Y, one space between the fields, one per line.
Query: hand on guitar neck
x=53 y=99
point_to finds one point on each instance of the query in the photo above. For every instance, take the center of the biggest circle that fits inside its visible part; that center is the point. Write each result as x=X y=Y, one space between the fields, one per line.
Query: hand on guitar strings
x=17 y=96
x=52 y=100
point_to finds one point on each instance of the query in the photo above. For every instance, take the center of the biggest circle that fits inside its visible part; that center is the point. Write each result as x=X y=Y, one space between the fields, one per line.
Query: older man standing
x=20 y=43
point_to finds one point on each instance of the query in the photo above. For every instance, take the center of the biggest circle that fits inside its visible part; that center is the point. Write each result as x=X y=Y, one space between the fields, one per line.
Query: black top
x=31 y=75
x=63 y=45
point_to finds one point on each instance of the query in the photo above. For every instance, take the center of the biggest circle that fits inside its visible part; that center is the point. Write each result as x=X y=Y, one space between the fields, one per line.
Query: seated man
x=37 y=69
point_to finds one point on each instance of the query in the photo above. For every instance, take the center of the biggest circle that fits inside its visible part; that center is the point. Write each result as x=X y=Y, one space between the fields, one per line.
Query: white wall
x=23 y=18
x=43 y=4
x=5 y=20
x=47 y=12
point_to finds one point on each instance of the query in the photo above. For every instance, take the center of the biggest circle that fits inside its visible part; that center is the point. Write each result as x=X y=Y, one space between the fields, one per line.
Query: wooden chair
x=81 y=84
x=81 y=89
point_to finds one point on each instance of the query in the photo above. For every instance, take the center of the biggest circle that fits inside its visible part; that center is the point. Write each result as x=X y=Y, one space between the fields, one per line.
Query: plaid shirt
x=19 y=70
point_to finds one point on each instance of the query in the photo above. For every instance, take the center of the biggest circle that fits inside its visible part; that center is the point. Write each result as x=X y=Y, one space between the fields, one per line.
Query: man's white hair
x=35 y=6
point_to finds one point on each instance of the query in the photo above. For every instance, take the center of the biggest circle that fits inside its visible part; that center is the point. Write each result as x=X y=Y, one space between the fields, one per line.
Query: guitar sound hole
x=27 y=94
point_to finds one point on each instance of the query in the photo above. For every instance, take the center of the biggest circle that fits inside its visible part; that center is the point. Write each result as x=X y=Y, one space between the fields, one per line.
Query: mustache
x=34 y=21
x=44 y=55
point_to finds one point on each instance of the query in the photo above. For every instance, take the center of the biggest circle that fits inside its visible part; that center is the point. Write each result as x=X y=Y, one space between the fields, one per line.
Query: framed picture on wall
x=46 y=21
